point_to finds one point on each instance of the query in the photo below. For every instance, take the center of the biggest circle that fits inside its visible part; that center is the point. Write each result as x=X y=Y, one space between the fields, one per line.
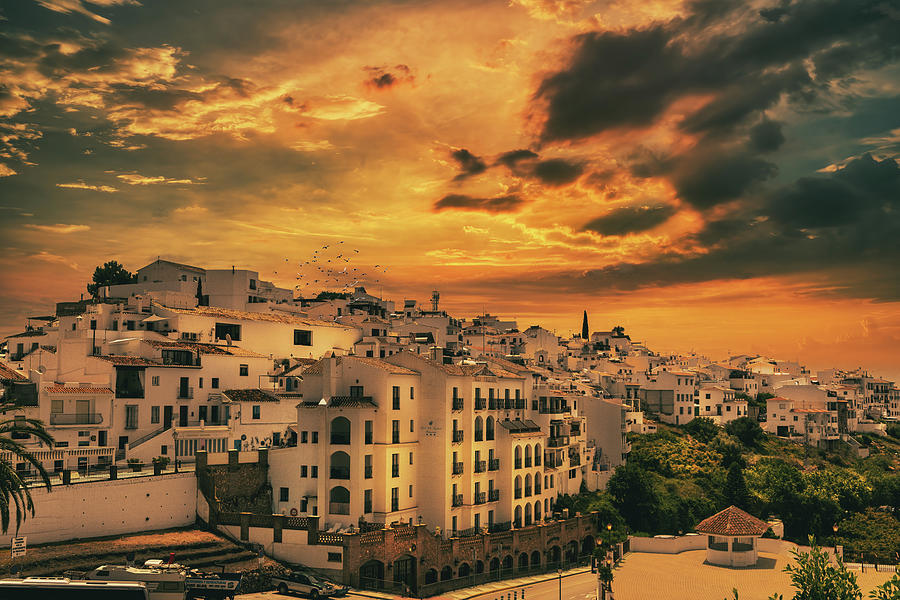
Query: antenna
x=435 y=299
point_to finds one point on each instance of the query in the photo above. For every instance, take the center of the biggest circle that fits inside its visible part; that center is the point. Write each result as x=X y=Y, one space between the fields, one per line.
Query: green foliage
x=162 y=460
x=893 y=431
x=633 y=495
x=746 y=430
x=673 y=456
x=13 y=489
x=703 y=429
x=332 y=296
x=736 y=492
x=889 y=590
x=871 y=535
x=815 y=578
x=731 y=452
x=111 y=273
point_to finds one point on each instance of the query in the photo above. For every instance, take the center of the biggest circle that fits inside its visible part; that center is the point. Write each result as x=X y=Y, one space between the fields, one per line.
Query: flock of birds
x=333 y=267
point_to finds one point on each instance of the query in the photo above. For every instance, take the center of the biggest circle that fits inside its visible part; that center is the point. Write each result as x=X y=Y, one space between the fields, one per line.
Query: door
x=101 y=437
x=183 y=388
x=201 y=413
x=182 y=416
x=167 y=417
x=214 y=415
x=83 y=412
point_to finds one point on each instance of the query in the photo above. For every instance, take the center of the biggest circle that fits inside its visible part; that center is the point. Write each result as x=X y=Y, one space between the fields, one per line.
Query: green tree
x=735 y=491
x=14 y=492
x=633 y=495
x=869 y=535
x=746 y=430
x=703 y=429
x=111 y=273
x=815 y=578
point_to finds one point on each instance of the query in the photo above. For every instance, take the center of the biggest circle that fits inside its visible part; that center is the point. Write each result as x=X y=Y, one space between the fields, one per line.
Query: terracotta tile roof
x=133 y=361
x=220 y=349
x=24 y=334
x=249 y=395
x=732 y=521
x=302 y=364
x=66 y=389
x=352 y=402
x=318 y=368
x=270 y=316
x=10 y=373
x=379 y=364
x=49 y=348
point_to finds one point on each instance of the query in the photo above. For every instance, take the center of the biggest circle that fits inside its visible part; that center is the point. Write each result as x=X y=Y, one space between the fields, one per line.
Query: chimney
x=437 y=354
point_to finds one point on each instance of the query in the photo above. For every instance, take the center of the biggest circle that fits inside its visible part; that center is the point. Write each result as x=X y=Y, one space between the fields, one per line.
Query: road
x=582 y=586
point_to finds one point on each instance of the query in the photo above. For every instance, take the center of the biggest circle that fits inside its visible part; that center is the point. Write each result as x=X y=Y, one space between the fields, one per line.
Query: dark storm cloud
x=629 y=78
x=497 y=204
x=632 y=219
x=766 y=136
x=513 y=157
x=386 y=77
x=707 y=178
x=557 y=171
x=469 y=164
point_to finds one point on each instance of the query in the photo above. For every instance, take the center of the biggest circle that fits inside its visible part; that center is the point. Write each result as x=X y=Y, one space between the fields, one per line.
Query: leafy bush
x=746 y=430
x=703 y=429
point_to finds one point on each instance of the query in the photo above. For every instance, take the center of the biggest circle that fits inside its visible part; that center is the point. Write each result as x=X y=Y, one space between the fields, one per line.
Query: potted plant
x=135 y=464
x=160 y=463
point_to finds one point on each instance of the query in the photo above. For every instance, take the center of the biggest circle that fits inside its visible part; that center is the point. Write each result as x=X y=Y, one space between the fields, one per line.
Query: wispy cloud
x=138 y=179
x=78 y=6
x=55 y=258
x=80 y=185
x=58 y=228
x=6 y=171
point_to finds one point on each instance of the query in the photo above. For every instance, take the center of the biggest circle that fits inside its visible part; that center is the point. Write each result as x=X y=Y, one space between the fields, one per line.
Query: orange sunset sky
x=719 y=176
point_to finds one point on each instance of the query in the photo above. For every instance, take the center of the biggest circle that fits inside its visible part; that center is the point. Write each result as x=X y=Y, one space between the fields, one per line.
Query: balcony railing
x=493 y=404
x=480 y=498
x=520 y=404
x=574 y=460
x=558 y=441
x=493 y=464
x=480 y=466
x=340 y=439
x=76 y=418
x=340 y=473
x=457 y=500
x=457 y=404
x=479 y=403
x=339 y=508
x=457 y=436
x=185 y=393
x=457 y=468
x=493 y=495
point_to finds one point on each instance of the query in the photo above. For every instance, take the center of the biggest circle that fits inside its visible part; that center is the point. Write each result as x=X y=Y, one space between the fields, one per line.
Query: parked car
x=304 y=583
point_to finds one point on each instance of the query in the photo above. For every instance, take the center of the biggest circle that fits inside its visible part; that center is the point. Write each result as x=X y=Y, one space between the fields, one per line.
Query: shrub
x=746 y=430
x=703 y=429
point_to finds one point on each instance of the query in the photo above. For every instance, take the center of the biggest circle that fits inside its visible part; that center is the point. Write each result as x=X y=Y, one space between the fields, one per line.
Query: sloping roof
x=520 y=426
x=64 y=389
x=130 y=361
x=302 y=365
x=380 y=364
x=249 y=395
x=29 y=333
x=270 y=316
x=352 y=402
x=177 y=264
x=220 y=349
x=9 y=373
x=732 y=521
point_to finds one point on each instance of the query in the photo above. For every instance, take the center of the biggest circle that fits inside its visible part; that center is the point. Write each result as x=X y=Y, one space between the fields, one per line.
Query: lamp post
x=834 y=528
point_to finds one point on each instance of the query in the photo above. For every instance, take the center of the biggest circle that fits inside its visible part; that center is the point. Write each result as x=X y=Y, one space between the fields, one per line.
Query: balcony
x=574 y=460
x=185 y=393
x=395 y=504
x=457 y=468
x=457 y=500
x=493 y=495
x=457 y=436
x=339 y=508
x=340 y=473
x=558 y=441
x=480 y=498
x=457 y=404
x=520 y=404
x=494 y=464
x=479 y=403
x=340 y=439
x=493 y=404
x=480 y=466
x=76 y=418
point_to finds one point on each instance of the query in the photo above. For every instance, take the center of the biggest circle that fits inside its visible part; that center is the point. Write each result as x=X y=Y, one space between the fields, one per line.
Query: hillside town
x=369 y=439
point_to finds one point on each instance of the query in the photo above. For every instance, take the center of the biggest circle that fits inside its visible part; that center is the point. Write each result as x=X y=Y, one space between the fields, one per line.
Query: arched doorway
x=446 y=573
x=587 y=545
x=523 y=561
x=508 y=563
x=479 y=429
x=535 y=559
x=527 y=515
x=554 y=553
x=495 y=565
x=537 y=511
x=479 y=567
x=517 y=519
x=405 y=572
x=464 y=570
x=340 y=465
x=430 y=576
x=339 y=501
x=572 y=551
x=340 y=431
x=371 y=575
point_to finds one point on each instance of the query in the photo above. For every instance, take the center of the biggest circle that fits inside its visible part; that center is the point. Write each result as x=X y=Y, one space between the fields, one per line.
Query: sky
x=719 y=176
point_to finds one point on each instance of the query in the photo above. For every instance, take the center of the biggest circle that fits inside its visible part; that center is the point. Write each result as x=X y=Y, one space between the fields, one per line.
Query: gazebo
x=732 y=537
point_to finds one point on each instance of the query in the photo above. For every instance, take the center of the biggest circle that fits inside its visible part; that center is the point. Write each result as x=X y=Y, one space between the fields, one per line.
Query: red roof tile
x=9 y=373
x=732 y=521
x=66 y=389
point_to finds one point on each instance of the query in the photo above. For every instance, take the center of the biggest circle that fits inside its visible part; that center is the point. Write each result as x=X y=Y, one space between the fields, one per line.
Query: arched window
x=527 y=456
x=339 y=501
x=340 y=465
x=537 y=483
x=518 y=486
x=340 y=431
x=489 y=429
x=527 y=485
x=446 y=573
x=479 y=429
x=537 y=510
x=517 y=519
x=518 y=461
x=527 y=515
x=537 y=455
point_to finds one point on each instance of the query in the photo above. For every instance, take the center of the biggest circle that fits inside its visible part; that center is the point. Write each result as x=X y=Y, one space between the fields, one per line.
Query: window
x=368 y=434
x=201 y=383
x=56 y=406
x=223 y=330
x=410 y=458
x=410 y=490
x=215 y=383
x=252 y=284
x=302 y=337
x=131 y=416
x=395 y=499
x=256 y=411
x=154 y=380
x=367 y=467
x=334 y=557
x=314 y=471
x=395 y=465
x=395 y=397
x=412 y=393
x=244 y=370
x=356 y=391
x=115 y=325
x=303 y=470
x=367 y=501
x=284 y=494
x=412 y=426
x=395 y=432
x=154 y=415
x=315 y=437
x=573 y=473
x=304 y=437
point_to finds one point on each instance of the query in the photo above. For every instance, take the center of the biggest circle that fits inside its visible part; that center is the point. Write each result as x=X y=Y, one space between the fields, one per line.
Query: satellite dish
x=243 y=437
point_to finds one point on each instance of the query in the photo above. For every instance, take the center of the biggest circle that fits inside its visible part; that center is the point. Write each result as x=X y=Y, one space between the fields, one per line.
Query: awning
x=154 y=319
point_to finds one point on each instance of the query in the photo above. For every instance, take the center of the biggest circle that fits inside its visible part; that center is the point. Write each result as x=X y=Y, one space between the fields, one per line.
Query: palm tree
x=13 y=490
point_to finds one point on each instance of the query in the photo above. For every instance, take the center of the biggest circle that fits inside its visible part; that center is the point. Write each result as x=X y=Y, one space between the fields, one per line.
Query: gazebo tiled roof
x=732 y=522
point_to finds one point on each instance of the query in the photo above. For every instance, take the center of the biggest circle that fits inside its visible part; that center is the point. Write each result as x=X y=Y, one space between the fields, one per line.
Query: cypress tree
x=736 y=492
x=585 y=333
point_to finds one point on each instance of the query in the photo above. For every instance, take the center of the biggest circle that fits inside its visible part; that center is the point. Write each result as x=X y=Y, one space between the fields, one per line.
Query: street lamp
x=835 y=529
